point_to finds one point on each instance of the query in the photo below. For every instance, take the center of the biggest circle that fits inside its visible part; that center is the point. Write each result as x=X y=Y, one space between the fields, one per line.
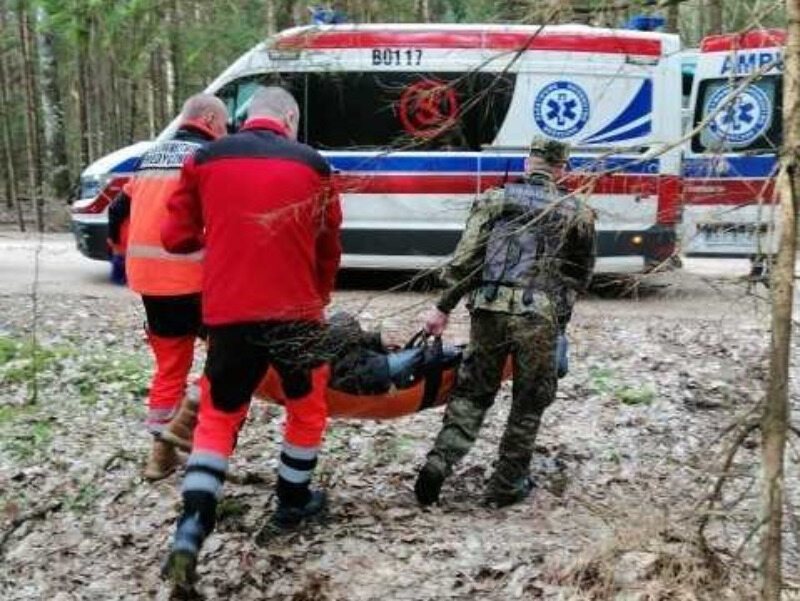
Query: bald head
x=275 y=103
x=208 y=111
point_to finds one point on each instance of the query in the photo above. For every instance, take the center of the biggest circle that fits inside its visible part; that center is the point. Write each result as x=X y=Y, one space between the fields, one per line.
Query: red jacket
x=264 y=208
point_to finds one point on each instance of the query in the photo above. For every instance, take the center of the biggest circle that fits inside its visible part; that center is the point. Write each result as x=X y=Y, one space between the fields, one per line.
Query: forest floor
x=627 y=454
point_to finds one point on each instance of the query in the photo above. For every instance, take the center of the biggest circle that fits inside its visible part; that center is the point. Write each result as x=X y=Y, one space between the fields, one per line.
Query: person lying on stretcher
x=370 y=380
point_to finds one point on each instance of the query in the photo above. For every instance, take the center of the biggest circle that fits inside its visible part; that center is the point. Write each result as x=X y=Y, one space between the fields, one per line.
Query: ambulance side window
x=406 y=110
x=237 y=95
x=746 y=119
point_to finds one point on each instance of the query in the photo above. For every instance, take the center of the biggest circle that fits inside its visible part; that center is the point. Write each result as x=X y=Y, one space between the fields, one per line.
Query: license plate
x=732 y=234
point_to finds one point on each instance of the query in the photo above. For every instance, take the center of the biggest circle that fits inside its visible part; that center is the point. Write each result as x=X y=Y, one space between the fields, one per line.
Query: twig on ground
x=35 y=514
x=745 y=431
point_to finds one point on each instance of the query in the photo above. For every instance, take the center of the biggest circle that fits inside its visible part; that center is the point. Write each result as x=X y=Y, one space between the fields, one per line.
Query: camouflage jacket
x=464 y=272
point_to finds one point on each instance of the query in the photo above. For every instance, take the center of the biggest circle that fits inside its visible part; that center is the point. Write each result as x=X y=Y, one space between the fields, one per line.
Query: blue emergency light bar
x=645 y=23
x=321 y=15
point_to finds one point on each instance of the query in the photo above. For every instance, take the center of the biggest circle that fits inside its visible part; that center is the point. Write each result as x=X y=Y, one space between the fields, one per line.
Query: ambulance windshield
x=739 y=116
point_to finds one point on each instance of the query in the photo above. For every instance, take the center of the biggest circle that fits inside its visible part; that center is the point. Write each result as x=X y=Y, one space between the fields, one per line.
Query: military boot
x=163 y=460
x=502 y=494
x=429 y=482
x=180 y=430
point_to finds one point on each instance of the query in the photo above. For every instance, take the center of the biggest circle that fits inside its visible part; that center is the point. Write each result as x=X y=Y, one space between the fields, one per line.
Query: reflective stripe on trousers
x=147 y=251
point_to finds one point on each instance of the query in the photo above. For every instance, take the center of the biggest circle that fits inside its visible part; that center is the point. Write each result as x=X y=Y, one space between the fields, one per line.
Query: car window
x=749 y=120
x=413 y=111
x=237 y=94
x=374 y=110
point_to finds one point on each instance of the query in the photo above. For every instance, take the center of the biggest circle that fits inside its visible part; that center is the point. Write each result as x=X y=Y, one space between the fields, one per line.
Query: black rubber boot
x=194 y=525
x=290 y=517
x=429 y=484
x=180 y=569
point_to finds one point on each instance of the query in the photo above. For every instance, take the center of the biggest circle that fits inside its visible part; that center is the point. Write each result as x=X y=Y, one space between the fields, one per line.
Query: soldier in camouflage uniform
x=524 y=255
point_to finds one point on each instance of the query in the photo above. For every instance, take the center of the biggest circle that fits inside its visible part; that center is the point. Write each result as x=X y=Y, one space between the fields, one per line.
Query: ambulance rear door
x=731 y=160
x=618 y=110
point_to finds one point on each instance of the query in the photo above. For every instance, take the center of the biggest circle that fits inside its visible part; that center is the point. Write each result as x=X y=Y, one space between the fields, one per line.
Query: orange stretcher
x=397 y=402
x=431 y=387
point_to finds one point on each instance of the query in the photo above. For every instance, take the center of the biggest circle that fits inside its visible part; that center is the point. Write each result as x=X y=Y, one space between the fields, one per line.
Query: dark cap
x=550 y=150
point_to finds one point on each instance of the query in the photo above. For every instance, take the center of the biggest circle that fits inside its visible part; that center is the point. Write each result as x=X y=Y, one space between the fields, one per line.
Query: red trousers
x=173 y=324
x=174 y=357
x=238 y=359
x=306 y=419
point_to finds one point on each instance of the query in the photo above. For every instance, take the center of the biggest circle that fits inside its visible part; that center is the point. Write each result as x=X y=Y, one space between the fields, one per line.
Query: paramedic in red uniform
x=263 y=208
x=170 y=284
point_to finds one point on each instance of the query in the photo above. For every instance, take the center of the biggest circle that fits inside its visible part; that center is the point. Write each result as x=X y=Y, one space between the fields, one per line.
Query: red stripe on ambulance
x=507 y=40
x=667 y=188
x=763 y=38
x=738 y=192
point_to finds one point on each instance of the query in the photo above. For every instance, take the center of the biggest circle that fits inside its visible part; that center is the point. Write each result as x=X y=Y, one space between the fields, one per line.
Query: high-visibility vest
x=151 y=270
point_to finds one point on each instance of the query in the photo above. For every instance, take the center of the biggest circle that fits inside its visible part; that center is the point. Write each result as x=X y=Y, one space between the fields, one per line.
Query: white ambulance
x=418 y=119
x=731 y=162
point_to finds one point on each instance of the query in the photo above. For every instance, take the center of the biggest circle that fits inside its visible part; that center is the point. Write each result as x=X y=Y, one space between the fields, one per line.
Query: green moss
x=25 y=441
x=8 y=349
x=84 y=499
x=230 y=508
x=636 y=395
x=9 y=414
x=601 y=379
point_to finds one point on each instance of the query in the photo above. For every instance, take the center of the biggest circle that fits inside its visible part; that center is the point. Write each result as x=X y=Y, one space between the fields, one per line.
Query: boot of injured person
x=180 y=430
x=162 y=461
x=502 y=493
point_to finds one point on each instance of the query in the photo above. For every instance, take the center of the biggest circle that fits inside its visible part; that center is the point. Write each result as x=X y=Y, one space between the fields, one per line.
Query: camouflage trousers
x=530 y=341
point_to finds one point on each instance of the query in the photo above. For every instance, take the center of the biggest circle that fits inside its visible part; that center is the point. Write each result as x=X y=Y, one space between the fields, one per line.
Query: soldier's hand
x=435 y=322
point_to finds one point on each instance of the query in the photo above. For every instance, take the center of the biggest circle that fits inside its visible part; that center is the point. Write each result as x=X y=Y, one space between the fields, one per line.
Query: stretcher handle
x=424 y=340
x=421 y=338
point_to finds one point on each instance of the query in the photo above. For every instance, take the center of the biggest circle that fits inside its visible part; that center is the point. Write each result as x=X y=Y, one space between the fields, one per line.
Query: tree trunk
x=673 y=17
x=776 y=412
x=423 y=10
x=8 y=150
x=173 y=60
x=30 y=116
x=701 y=18
x=99 y=81
x=82 y=58
x=116 y=107
x=134 y=95
x=33 y=71
x=284 y=14
x=133 y=92
x=270 y=17
x=715 y=16
x=151 y=103
x=513 y=10
x=574 y=11
x=52 y=109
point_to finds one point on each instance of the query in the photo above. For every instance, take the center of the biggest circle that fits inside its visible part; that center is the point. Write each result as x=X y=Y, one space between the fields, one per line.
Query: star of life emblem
x=561 y=109
x=738 y=121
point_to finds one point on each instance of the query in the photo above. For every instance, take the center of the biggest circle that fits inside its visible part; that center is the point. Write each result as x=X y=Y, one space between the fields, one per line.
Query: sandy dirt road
x=59 y=268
